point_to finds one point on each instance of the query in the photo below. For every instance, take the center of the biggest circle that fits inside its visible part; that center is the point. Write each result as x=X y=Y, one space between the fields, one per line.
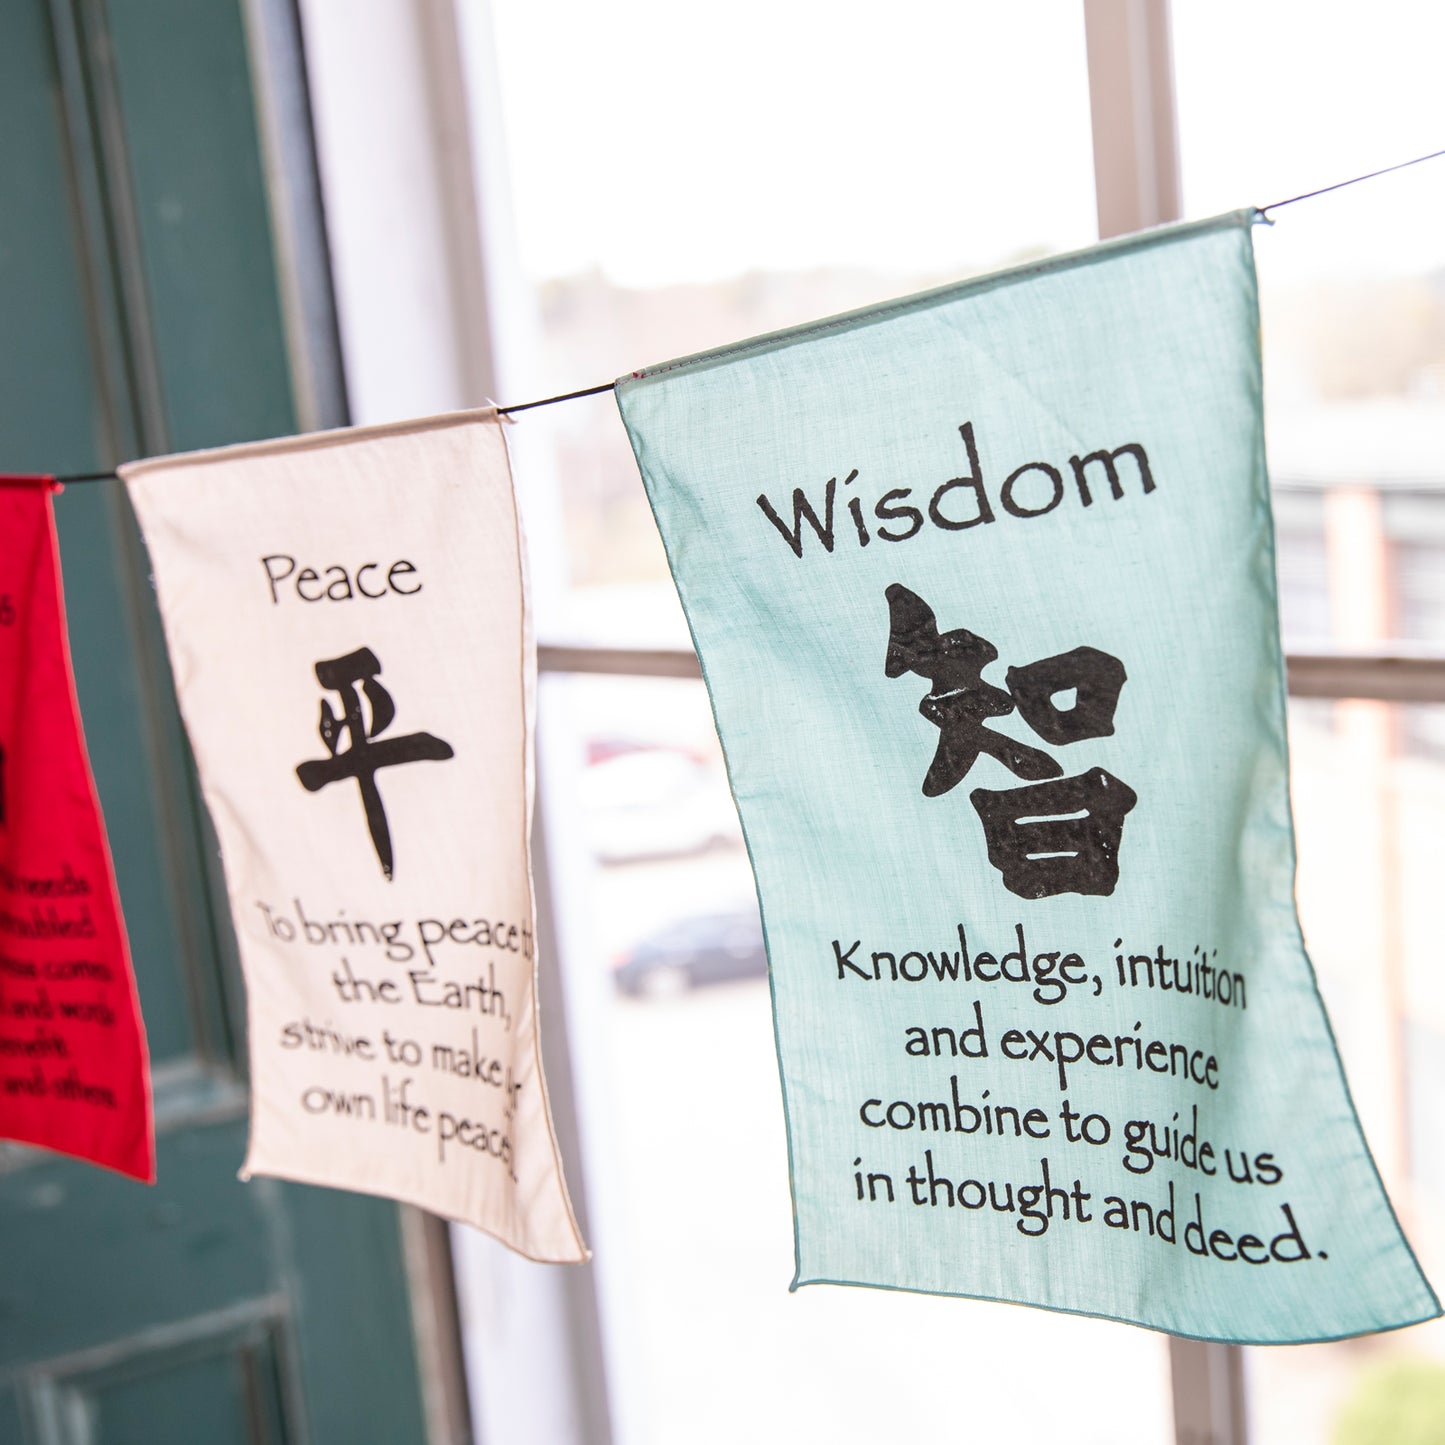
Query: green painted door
x=141 y=312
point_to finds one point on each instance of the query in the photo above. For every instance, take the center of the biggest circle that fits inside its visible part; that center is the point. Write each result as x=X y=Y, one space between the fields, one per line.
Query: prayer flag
x=74 y=1073
x=983 y=587
x=347 y=619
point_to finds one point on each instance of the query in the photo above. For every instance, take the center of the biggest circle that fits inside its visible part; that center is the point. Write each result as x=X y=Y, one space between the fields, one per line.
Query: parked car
x=711 y=948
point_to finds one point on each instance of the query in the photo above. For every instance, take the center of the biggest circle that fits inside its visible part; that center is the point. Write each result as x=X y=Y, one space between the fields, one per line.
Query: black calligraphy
x=354 y=678
x=1057 y=834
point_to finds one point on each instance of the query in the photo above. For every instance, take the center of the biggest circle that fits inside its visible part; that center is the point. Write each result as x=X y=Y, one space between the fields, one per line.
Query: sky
x=675 y=140
x=1279 y=97
x=664 y=141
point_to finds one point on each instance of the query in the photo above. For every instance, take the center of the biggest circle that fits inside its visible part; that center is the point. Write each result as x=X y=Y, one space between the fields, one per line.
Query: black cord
x=1353 y=181
x=612 y=386
x=566 y=396
x=67 y=479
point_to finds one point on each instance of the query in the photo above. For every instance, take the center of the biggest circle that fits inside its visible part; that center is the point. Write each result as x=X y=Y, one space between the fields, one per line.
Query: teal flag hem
x=863 y=316
x=1281 y=721
x=1083 y=1314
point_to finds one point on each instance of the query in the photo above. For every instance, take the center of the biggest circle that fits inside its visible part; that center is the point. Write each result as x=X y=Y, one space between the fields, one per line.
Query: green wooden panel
x=352 y=1321
x=200 y=210
x=206 y=1400
x=90 y=1257
x=46 y=346
x=230 y=1397
x=52 y=419
x=11 y=1428
x=139 y=308
x=133 y=776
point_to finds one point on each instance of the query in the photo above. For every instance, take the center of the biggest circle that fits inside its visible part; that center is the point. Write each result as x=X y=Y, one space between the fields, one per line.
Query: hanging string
x=501 y=411
x=612 y=386
x=1353 y=181
x=566 y=396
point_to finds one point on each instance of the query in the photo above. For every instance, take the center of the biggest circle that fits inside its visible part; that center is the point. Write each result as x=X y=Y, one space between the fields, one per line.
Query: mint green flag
x=983 y=587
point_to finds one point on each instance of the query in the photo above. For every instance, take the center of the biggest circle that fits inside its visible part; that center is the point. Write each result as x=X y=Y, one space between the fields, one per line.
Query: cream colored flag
x=347 y=622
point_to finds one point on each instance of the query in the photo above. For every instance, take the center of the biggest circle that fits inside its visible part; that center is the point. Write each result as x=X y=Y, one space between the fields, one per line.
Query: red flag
x=74 y=1073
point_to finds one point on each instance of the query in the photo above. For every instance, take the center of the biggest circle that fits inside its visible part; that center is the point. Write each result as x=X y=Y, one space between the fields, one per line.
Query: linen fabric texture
x=983 y=587
x=376 y=860
x=74 y=1068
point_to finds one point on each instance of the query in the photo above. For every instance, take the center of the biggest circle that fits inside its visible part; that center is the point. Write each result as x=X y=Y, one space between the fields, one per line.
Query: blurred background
x=508 y=200
x=886 y=158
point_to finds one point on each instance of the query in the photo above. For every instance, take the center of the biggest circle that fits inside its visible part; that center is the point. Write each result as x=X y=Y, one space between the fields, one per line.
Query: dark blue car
x=710 y=948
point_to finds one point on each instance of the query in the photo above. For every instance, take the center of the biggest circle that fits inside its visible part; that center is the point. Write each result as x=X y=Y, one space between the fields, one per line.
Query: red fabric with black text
x=74 y=1074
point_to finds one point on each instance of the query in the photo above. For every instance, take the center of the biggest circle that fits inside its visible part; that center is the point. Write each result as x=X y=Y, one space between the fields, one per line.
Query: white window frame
x=427 y=158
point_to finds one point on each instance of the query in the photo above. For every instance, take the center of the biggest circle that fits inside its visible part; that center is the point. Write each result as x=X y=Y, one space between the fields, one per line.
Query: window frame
x=441 y=161
x=1137 y=184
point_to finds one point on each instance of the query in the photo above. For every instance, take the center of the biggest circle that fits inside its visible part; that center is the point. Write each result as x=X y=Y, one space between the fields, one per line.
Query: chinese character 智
x=960 y=701
x=1057 y=835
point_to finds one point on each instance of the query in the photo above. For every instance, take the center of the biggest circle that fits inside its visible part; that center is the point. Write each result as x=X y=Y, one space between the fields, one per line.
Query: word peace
x=336 y=583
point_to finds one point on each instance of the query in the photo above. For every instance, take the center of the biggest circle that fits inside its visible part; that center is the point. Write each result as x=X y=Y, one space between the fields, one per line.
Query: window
x=825 y=168
x=1354 y=344
x=830 y=167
